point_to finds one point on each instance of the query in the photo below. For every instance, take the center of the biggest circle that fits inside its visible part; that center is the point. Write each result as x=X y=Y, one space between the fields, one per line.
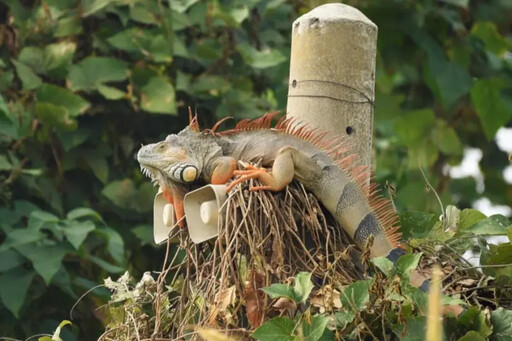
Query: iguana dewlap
x=322 y=163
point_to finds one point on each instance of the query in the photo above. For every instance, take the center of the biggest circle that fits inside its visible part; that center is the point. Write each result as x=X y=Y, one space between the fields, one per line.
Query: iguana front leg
x=175 y=198
x=223 y=170
x=283 y=170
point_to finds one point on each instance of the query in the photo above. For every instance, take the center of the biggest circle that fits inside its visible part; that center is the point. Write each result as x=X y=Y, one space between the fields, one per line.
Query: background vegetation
x=83 y=83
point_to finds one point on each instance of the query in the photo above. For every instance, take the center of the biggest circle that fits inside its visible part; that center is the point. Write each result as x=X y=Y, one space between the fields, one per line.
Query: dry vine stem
x=268 y=238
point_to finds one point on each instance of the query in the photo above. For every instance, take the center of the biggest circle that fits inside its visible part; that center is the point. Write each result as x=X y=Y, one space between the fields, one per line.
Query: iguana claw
x=251 y=172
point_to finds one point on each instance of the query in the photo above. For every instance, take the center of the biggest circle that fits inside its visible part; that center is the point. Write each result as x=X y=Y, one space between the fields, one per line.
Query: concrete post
x=332 y=73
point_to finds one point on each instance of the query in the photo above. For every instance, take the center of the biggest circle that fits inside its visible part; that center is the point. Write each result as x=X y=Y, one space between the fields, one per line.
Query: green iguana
x=322 y=163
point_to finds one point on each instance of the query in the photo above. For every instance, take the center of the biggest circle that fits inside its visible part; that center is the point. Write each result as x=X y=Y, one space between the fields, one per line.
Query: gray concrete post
x=332 y=73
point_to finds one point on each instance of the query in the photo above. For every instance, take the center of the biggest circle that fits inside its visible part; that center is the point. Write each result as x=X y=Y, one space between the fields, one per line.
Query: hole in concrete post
x=294 y=83
x=350 y=130
x=314 y=22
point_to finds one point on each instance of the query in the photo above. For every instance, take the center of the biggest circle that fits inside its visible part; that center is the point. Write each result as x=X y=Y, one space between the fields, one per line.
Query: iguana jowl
x=322 y=163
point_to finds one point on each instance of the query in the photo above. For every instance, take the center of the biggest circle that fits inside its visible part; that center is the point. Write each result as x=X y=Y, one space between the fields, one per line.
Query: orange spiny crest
x=338 y=148
x=386 y=215
x=219 y=122
x=192 y=120
x=358 y=170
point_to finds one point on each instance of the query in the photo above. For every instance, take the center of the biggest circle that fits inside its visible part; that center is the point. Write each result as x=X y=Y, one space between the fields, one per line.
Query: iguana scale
x=321 y=162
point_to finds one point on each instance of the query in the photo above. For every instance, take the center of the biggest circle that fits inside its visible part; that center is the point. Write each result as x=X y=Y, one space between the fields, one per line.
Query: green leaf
x=343 y=318
x=424 y=155
x=110 y=268
x=281 y=290
x=56 y=116
x=328 y=335
x=46 y=259
x=32 y=57
x=406 y=263
x=67 y=27
x=110 y=92
x=277 y=328
x=315 y=330
x=38 y=219
x=141 y=14
x=449 y=80
x=452 y=80
x=14 y=286
x=458 y=3
x=469 y=217
x=157 y=96
x=84 y=212
x=493 y=40
x=412 y=330
x=145 y=44
x=10 y=259
x=501 y=320
x=3 y=105
x=212 y=85
x=355 y=297
x=124 y=194
x=94 y=71
x=416 y=224
x=115 y=244
x=446 y=139
x=145 y=234
x=260 y=59
x=4 y=163
x=492 y=111
x=21 y=236
x=418 y=296
x=498 y=254
x=70 y=140
x=56 y=335
x=76 y=232
x=471 y=336
x=7 y=128
x=92 y=6
x=62 y=280
x=57 y=57
x=475 y=319
x=74 y=104
x=183 y=5
x=233 y=17
x=28 y=77
x=303 y=286
x=384 y=264
x=120 y=192
x=413 y=127
x=99 y=165
x=495 y=225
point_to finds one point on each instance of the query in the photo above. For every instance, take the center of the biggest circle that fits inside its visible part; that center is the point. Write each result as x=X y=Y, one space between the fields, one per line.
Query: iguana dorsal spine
x=321 y=161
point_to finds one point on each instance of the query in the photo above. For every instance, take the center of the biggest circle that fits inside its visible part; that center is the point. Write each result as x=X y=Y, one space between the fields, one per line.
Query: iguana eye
x=161 y=148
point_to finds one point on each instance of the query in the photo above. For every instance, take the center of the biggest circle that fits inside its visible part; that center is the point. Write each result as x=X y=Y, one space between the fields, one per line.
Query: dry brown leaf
x=454 y=309
x=417 y=278
x=209 y=334
x=468 y=282
x=326 y=299
x=254 y=299
x=285 y=304
x=223 y=300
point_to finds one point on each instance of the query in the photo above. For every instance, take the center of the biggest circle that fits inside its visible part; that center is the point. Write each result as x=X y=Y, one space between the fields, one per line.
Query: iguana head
x=168 y=162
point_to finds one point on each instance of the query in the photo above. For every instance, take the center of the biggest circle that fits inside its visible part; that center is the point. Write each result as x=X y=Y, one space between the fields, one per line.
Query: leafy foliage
x=82 y=84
